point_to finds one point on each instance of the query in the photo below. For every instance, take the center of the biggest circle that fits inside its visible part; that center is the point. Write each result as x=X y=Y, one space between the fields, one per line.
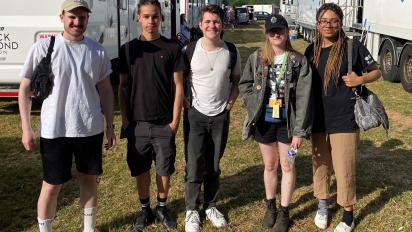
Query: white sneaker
x=321 y=220
x=216 y=217
x=342 y=227
x=192 y=221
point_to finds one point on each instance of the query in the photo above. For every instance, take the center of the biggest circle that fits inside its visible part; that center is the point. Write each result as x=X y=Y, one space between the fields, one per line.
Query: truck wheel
x=387 y=61
x=305 y=34
x=311 y=33
x=405 y=69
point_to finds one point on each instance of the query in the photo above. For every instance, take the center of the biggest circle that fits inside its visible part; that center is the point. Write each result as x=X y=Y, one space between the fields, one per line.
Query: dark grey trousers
x=205 y=141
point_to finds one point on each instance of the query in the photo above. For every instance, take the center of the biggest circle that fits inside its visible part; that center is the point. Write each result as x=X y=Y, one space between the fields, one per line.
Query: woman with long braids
x=335 y=134
x=276 y=88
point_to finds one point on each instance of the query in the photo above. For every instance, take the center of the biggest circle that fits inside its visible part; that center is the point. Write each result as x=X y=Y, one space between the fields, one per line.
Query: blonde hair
x=267 y=51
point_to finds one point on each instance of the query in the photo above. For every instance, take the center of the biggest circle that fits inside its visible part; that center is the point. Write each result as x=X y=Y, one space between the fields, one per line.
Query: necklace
x=217 y=49
x=212 y=64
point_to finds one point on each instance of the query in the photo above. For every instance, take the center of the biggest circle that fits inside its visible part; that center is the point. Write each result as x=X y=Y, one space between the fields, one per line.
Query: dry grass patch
x=383 y=173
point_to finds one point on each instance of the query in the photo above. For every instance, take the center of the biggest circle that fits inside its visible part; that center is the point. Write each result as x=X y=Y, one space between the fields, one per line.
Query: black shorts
x=267 y=132
x=57 y=155
x=147 y=142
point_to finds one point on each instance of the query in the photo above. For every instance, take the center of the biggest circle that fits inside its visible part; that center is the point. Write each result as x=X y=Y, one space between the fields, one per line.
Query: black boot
x=270 y=215
x=282 y=220
x=144 y=219
x=163 y=216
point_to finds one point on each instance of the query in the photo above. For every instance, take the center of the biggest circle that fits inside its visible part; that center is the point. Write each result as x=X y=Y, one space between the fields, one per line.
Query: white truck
x=23 y=22
x=191 y=8
x=288 y=9
x=305 y=15
x=383 y=25
x=389 y=38
x=264 y=7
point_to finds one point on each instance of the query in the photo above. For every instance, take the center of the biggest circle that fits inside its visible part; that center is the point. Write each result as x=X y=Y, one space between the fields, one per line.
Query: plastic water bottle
x=292 y=152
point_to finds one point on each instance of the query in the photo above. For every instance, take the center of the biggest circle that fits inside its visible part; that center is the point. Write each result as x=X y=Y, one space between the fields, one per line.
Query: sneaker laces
x=193 y=217
x=215 y=213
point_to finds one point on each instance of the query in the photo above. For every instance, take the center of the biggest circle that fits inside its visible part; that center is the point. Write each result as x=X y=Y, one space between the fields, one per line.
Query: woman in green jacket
x=276 y=89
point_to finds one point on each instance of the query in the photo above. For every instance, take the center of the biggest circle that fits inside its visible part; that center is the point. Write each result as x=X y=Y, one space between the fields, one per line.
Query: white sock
x=89 y=219
x=45 y=225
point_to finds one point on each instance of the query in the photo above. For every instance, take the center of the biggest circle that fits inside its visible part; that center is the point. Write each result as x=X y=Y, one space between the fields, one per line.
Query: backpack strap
x=187 y=53
x=189 y=49
x=50 y=49
x=233 y=57
x=350 y=54
x=349 y=46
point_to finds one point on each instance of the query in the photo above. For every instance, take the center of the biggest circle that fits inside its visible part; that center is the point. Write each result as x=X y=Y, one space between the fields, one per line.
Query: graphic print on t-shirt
x=275 y=108
x=277 y=77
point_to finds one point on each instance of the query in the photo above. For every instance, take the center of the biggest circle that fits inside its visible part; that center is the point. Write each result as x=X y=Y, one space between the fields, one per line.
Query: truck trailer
x=112 y=23
x=389 y=38
x=382 y=25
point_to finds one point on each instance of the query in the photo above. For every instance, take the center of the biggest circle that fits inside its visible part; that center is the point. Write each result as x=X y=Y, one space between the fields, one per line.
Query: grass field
x=384 y=174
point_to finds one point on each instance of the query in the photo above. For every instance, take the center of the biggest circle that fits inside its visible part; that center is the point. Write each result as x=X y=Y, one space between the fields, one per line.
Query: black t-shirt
x=333 y=111
x=152 y=66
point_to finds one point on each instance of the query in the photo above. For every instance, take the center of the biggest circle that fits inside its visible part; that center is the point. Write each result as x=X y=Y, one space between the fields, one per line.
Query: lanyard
x=280 y=76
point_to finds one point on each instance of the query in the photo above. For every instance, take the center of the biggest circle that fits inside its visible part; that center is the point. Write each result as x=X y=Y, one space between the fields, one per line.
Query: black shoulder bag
x=42 y=78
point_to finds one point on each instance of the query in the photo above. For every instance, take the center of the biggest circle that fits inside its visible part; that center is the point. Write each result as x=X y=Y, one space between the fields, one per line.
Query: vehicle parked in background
x=270 y=8
x=260 y=15
x=242 y=15
x=383 y=26
x=113 y=25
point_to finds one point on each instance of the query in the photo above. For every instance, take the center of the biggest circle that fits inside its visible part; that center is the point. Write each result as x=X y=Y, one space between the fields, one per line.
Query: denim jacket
x=298 y=97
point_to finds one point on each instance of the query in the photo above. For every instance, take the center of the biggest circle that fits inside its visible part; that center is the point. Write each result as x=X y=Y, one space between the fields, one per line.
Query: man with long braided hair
x=335 y=134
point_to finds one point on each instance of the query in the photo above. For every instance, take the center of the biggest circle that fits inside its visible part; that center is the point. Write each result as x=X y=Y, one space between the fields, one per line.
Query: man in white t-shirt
x=72 y=116
x=213 y=85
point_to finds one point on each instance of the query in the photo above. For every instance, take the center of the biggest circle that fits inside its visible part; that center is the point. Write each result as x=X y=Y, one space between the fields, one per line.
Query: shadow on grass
x=10 y=145
x=20 y=182
x=11 y=107
x=384 y=169
x=254 y=25
x=246 y=187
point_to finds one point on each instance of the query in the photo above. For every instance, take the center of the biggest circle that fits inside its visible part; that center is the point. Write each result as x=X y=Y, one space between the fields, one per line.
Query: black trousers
x=205 y=142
